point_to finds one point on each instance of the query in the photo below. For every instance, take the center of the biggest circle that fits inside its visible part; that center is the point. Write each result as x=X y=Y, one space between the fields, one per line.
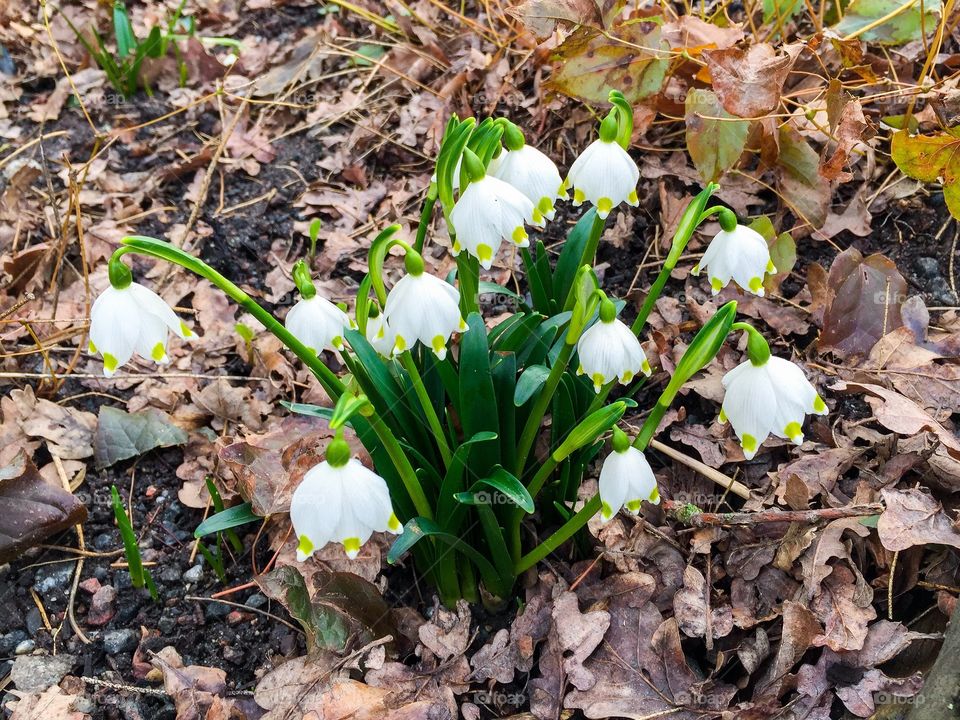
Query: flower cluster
x=563 y=351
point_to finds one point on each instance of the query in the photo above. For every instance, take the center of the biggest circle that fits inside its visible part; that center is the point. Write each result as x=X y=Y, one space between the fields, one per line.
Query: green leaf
x=531 y=380
x=478 y=404
x=535 y=280
x=715 y=138
x=906 y=26
x=592 y=62
x=122 y=30
x=121 y=435
x=572 y=253
x=589 y=429
x=780 y=11
x=931 y=158
x=491 y=288
x=500 y=480
x=317 y=411
x=229 y=518
x=344 y=609
x=453 y=480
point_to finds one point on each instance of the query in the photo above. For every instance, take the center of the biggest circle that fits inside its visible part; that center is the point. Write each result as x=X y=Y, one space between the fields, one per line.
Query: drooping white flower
x=771 y=398
x=741 y=254
x=605 y=175
x=379 y=335
x=626 y=479
x=317 y=323
x=424 y=308
x=610 y=351
x=129 y=320
x=340 y=500
x=489 y=211
x=532 y=173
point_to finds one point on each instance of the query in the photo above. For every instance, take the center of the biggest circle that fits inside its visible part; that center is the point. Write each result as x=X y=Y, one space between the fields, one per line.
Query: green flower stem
x=425 y=216
x=726 y=214
x=566 y=531
x=532 y=427
x=468 y=273
x=328 y=379
x=406 y=359
x=400 y=460
x=516 y=517
x=497 y=546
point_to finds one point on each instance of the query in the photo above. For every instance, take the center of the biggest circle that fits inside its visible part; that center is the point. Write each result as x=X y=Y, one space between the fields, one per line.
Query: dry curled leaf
x=749 y=82
x=912 y=517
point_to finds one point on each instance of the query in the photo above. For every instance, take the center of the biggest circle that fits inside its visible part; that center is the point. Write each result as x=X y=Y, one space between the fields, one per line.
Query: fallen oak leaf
x=900 y=414
x=913 y=518
x=749 y=82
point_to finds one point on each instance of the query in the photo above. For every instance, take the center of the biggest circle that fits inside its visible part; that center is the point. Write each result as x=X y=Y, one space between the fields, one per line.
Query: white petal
x=614 y=485
x=152 y=303
x=317 y=323
x=750 y=406
x=606 y=175
x=115 y=327
x=315 y=507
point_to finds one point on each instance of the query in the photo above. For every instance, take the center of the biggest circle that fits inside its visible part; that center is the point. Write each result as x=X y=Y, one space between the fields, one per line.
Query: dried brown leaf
x=912 y=517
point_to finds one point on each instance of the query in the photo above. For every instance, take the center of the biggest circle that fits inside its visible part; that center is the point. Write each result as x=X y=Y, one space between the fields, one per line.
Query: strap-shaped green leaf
x=502 y=481
x=478 y=403
x=571 y=256
x=531 y=380
x=230 y=518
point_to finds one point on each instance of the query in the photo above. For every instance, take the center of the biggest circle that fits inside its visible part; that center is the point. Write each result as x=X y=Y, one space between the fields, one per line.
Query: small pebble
x=215 y=610
x=51 y=579
x=27 y=646
x=90 y=585
x=233 y=654
x=257 y=600
x=193 y=574
x=34 y=621
x=120 y=641
x=11 y=640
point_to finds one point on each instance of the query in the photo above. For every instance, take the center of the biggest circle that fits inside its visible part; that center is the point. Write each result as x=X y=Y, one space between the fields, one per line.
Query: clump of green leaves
x=139 y=575
x=123 y=64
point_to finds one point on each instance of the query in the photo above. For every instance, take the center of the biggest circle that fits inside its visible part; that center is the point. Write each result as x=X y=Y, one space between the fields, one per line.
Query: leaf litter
x=653 y=617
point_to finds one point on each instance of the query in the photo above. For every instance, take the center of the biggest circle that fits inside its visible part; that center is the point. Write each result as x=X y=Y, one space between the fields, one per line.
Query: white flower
x=604 y=174
x=317 y=323
x=488 y=211
x=532 y=173
x=610 y=351
x=379 y=335
x=626 y=479
x=425 y=308
x=770 y=398
x=344 y=504
x=741 y=254
x=129 y=320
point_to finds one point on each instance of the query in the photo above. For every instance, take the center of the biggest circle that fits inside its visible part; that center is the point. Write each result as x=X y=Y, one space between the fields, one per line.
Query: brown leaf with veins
x=269 y=466
x=866 y=296
x=913 y=518
x=692 y=612
x=844 y=607
x=541 y=17
x=800 y=627
x=852 y=129
x=829 y=545
x=579 y=634
x=902 y=415
x=749 y=82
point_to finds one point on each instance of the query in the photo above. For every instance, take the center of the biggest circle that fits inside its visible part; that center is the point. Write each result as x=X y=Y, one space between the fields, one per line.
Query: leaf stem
x=539 y=408
x=560 y=536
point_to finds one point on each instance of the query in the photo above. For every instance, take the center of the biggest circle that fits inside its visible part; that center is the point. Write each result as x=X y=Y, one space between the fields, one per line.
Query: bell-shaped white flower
x=535 y=175
x=767 y=395
x=340 y=500
x=626 y=479
x=489 y=211
x=132 y=319
x=317 y=323
x=424 y=308
x=379 y=335
x=610 y=351
x=740 y=253
x=605 y=175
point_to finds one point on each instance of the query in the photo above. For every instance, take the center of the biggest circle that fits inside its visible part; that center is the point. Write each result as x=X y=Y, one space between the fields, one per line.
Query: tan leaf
x=749 y=82
x=913 y=517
